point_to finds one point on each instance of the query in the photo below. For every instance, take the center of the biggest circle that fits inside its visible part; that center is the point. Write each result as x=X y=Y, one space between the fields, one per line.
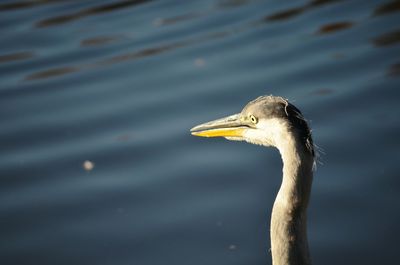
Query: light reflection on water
x=118 y=84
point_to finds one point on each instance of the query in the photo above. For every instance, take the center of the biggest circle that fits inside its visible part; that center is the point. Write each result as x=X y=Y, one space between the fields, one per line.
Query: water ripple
x=17 y=5
x=177 y=19
x=394 y=70
x=18 y=56
x=293 y=12
x=334 y=27
x=88 y=12
x=285 y=14
x=387 y=8
x=129 y=56
x=100 y=41
x=52 y=73
x=387 y=39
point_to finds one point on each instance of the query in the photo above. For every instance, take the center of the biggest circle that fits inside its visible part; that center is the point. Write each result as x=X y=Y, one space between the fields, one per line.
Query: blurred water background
x=118 y=84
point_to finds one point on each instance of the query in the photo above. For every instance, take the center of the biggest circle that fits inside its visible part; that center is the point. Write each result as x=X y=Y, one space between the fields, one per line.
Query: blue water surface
x=97 y=164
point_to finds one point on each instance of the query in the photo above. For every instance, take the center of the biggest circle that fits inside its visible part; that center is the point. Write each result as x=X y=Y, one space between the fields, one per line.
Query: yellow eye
x=253 y=119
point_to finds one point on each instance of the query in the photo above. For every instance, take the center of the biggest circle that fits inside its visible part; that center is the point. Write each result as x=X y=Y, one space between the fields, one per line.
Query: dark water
x=120 y=83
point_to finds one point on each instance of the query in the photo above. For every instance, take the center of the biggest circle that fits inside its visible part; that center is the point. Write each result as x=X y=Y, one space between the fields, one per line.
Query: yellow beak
x=230 y=126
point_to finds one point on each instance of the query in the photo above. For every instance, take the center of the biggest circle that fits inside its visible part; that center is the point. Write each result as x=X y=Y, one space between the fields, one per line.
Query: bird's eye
x=253 y=119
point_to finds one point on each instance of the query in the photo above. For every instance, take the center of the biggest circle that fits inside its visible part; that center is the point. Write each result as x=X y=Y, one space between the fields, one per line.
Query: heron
x=274 y=122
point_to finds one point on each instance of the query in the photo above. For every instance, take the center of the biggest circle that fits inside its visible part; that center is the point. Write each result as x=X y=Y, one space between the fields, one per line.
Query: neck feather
x=289 y=243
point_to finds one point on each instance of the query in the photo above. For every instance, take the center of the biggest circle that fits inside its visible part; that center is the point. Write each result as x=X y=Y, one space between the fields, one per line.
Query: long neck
x=289 y=243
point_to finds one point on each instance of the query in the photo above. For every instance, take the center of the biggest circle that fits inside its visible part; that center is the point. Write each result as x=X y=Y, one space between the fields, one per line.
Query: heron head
x=267 y=120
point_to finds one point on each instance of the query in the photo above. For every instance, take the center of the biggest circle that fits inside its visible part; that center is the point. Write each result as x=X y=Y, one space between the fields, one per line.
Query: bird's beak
x=231 y=126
